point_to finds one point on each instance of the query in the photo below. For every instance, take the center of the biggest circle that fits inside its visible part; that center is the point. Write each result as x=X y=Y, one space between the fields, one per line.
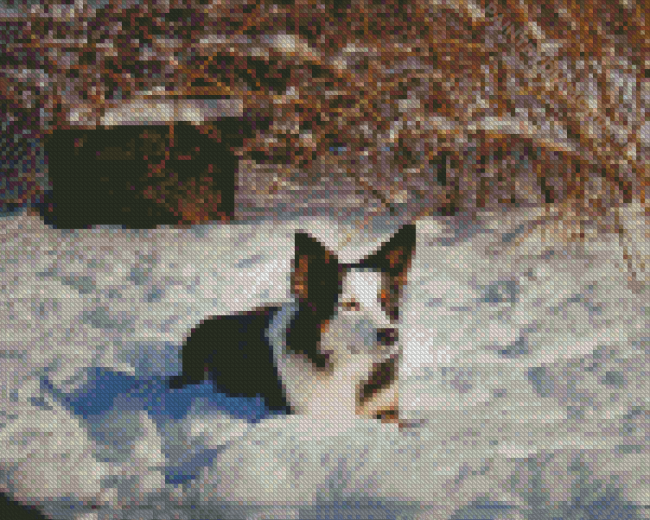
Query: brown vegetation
x=449 y=105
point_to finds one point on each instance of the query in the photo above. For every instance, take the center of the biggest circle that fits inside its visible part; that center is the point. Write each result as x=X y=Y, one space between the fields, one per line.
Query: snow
x=527 y=367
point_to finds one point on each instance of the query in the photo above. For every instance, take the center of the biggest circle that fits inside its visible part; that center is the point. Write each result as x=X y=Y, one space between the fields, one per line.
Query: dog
x=333 y=349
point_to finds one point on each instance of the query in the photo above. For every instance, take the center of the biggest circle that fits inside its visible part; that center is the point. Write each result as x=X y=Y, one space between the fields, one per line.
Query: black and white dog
x=333 y=350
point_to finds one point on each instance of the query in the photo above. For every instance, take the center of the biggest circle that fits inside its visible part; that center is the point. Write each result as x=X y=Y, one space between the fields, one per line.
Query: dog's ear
x=394 y=257
x=394 y=260
x=316 y=282
x=314 y=270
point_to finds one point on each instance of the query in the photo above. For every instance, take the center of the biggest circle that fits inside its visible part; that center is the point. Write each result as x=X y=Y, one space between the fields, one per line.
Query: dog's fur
x=233 y=352
x=333 y=350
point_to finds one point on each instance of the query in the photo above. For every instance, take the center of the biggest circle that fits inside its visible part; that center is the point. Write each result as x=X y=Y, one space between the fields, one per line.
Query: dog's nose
x=389 y=415
x=387 y=337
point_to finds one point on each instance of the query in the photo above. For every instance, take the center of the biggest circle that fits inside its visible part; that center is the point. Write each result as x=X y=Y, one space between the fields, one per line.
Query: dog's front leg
x=340 y=387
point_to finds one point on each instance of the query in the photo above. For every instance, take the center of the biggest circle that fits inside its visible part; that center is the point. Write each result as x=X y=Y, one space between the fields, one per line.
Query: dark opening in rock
x=140 y=176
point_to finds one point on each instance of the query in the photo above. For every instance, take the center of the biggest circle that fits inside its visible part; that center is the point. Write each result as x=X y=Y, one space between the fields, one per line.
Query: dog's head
x=342 y=346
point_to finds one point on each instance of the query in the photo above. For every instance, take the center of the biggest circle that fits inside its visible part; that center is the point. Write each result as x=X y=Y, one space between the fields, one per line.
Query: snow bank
x=126 y=300
x=541 y=351
x=297 y=467
x=530 y=366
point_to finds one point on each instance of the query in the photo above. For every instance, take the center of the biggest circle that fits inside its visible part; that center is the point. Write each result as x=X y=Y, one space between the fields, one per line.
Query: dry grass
x=447 y=106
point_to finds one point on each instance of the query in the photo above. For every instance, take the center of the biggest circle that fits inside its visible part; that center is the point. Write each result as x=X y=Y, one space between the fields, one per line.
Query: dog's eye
x=351 y=305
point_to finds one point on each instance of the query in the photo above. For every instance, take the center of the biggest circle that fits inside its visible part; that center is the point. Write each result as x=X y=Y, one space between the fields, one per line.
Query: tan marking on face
x=395 y=257
x=300 y=277
x=389 y=296
x=351 y=305
x=324 y=326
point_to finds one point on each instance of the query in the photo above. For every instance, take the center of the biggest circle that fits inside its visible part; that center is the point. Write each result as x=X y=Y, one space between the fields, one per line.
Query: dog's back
x=233 y=351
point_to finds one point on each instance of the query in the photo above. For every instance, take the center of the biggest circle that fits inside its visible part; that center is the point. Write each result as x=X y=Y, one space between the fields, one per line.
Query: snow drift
x=526 y=367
